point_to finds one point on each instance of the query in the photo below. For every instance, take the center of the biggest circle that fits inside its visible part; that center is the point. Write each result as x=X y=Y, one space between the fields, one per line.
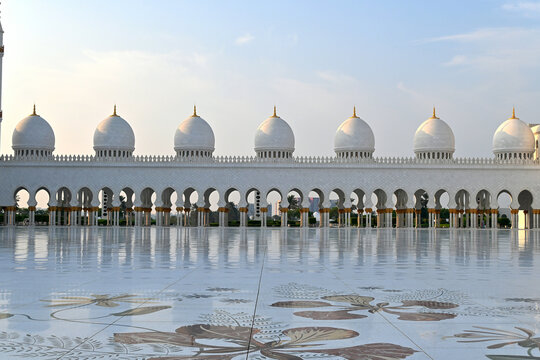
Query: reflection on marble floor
x=169 y=293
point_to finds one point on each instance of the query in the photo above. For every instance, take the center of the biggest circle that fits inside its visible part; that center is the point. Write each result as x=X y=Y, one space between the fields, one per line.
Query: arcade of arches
x=378 y=208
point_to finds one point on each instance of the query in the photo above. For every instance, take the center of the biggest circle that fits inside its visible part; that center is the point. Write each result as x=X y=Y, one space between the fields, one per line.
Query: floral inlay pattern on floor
x=360 y=303
x=224 y=336
x=524 y=338
x=241 y=340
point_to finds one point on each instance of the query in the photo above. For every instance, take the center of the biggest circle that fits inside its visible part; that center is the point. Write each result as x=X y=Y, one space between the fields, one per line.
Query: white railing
x=316 y=160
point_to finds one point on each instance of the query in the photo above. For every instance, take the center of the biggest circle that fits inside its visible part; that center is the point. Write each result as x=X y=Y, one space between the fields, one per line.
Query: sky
x=314 y=60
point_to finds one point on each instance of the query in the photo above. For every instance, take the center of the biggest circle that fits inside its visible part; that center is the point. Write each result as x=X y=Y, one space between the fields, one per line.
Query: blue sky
x=394 y=60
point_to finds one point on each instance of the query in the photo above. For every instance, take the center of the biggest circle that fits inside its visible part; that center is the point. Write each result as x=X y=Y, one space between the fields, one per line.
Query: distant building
x=314 y=204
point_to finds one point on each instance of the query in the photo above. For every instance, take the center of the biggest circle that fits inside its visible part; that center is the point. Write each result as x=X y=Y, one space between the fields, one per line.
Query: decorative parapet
x=312 y=160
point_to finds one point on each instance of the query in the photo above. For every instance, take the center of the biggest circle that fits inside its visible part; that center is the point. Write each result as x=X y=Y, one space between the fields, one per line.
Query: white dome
x=114 y=133
x=194 y=133
x=434 y=135
x=33 y=133
x=513 y=135
x=535 y=128
x=354 y=134
x=274 y=134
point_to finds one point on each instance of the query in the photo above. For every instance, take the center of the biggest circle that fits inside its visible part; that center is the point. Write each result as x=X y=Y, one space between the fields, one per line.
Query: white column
x=221 y=212
x=284 y=217
x=199 y=217
x=186 y=216
x=180 y=216
x=137 y=216
x=328 y=218
x=368 y=217
x=31 y=215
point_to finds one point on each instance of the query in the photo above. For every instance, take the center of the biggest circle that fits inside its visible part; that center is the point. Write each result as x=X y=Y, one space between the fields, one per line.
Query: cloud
x=457 y=60
x=496 y=34
x=493 y=49
x=334 y=77
x=244 y=39
x=525 y=8
x=403 y=88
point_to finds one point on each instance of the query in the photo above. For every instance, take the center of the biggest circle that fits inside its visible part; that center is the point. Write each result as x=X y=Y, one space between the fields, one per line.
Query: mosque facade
x=83 y=187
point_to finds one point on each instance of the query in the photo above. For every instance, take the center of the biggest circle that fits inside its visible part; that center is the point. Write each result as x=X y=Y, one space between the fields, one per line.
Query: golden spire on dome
x=194 y=111
x=434 y=116
x=34 y=111
x=114 y=111
x=513 y=113
x=275 y=114
x=354 y=112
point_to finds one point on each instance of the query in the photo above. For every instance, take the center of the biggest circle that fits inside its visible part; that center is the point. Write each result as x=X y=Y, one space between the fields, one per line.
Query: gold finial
x=434 y=116
x=513 y=113
x=34 y=112
x=275 y=115
x=114 y=111
x=354 y=112
x=194 y=110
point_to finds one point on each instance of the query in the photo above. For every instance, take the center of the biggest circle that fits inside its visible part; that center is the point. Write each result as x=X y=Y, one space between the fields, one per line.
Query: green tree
x=334 y=213
x=233 y=214
x=293 y=203
x=504 y=221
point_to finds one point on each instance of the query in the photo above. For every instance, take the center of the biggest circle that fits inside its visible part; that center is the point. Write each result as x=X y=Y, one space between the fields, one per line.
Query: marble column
x=284 y=220
x=166 y=216
x=159 y=216
x=186 y=216
x=304 y=217
x=264 y=216
x=431 y=218
x=535 y=217
x=322 y=217
x=514 y=218
x=243 y=216
x=199 y=217
x=31 y=215
x=494 y=216
x=221 y=216
x=360 y=218
x=179 y=216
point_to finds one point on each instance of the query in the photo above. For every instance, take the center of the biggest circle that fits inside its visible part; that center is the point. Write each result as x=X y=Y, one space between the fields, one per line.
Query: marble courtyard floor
x=167 y=293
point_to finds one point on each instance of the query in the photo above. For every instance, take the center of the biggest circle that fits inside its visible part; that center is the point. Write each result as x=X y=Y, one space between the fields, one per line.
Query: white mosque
x=80 y=186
